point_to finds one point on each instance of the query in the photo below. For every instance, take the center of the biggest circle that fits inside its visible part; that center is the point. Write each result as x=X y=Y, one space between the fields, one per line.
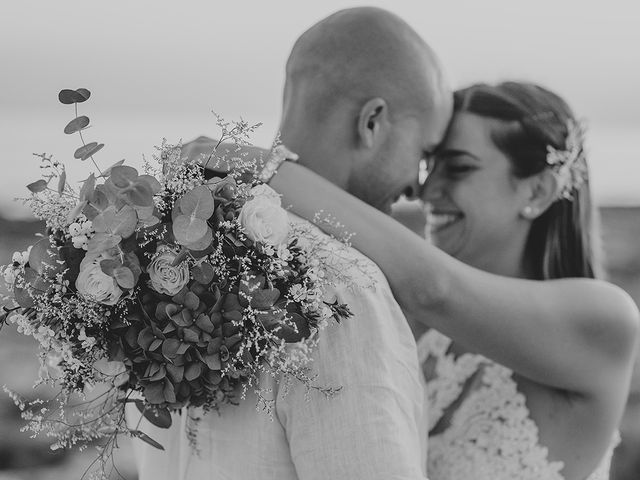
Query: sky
x=158 y=68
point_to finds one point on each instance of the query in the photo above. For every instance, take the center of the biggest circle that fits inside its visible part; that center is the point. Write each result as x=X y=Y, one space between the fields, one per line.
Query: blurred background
x=157 y=69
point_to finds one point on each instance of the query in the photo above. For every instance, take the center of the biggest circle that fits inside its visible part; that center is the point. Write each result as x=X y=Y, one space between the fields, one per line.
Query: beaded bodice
x=479 y=424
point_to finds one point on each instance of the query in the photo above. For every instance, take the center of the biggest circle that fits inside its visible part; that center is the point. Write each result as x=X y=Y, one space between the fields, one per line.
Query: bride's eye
x=454 y=169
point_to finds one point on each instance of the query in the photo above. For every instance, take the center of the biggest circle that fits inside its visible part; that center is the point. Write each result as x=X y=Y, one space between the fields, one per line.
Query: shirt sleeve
x=373 y=428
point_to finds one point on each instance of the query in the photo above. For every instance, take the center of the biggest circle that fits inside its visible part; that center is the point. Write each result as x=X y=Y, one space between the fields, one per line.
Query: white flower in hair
x=568 y=164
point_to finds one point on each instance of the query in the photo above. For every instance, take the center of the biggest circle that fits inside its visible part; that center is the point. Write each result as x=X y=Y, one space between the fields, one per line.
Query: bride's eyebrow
x=455 y=152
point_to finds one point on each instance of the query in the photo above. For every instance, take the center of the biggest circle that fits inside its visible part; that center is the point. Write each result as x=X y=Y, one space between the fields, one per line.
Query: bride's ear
x=543 y=189
x=373 y=122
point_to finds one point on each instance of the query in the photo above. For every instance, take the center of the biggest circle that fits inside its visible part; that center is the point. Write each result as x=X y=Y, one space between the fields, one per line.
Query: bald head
x=357 y=54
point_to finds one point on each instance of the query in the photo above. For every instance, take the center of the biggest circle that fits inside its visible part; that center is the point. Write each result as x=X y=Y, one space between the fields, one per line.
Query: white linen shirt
x=374 y=428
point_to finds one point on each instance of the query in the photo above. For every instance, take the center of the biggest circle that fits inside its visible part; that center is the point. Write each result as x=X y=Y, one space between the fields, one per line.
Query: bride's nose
x=432 y=186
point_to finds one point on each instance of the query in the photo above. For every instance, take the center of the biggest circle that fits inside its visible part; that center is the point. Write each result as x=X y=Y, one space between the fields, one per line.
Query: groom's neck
x=320 y=149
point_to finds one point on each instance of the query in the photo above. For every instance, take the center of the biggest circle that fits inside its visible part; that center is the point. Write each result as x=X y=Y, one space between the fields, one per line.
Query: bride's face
x=473 y=199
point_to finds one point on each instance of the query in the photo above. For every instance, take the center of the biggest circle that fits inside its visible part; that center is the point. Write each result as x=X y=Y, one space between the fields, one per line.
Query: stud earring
x=529 y=211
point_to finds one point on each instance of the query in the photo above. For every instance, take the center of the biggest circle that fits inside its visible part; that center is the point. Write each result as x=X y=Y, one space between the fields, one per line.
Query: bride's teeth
x=440 y=220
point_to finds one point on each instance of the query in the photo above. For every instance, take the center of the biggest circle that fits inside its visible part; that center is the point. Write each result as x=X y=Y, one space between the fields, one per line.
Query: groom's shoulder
x=337 y=255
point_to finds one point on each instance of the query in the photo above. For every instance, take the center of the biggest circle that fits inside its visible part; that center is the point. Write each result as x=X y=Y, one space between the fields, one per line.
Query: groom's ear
x=373 y=122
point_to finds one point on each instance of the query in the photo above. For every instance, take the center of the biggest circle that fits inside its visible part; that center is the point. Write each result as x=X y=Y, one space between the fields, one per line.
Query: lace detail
x=479 y=424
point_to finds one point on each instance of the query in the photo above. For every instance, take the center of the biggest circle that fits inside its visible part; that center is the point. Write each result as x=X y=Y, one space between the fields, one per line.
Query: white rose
x=166 y=278
x=9 y=275
x=265 y=221
x=93 y=283
x=267 y=193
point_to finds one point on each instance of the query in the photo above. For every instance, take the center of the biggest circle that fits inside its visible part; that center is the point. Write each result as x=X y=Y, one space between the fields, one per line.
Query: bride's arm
x=574 y=334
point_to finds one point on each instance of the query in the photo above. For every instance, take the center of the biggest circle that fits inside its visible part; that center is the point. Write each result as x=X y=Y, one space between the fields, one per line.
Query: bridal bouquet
x=164 y=289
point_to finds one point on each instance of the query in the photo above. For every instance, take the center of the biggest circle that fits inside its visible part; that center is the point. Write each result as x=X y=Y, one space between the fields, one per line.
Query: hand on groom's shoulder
x=203 y=146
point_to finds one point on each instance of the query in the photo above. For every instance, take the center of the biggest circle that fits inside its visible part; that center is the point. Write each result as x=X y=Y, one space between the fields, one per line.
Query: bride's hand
x=203 y=147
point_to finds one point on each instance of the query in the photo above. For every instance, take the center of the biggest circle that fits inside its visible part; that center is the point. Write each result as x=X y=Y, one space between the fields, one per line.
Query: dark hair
x=561 y=241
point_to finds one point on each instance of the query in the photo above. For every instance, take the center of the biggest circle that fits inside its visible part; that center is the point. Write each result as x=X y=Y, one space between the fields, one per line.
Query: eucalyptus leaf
x=124 y=222
x=198 y=203
x=109 y=265
x=146 y=438
x=139 y=194
x=86 y=151
x=265 y=299
x=77 y=210
x=152 y=182
x=37 y=186
x=124 y=277
x=106 y=173
x=84 y=93
x=62 y=181
x=69 y=97
x=88 y=187
x=203 y=273
x=132 y=262
x=76 y=125
x=44 y=258
x=160 y=417
x=100 y=200
x=102 y=241
x=123 y=175
x=200 y=247
x=189 y=229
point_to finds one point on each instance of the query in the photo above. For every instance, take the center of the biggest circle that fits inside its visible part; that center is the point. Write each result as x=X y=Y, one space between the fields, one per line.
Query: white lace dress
x=479 y=423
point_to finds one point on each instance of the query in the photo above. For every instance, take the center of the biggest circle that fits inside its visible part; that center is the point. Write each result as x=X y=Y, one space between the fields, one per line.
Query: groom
x=364 y=101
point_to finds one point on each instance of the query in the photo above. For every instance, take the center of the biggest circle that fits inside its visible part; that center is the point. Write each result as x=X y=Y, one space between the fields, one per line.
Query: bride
x=528 y=356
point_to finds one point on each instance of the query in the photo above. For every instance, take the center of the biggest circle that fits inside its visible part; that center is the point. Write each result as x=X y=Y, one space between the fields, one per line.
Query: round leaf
x=198 y=203
x=107 y=172
x=123 y=175
x=124 y=277
x=109 y=265
x=124 y=222
x=203 y=273
x=102 y=241
x=87 y=150
x=84 y=93
x=76 y=124
x=69 y=97
x=139 y=194
x=188 y=229
x=153 y=183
